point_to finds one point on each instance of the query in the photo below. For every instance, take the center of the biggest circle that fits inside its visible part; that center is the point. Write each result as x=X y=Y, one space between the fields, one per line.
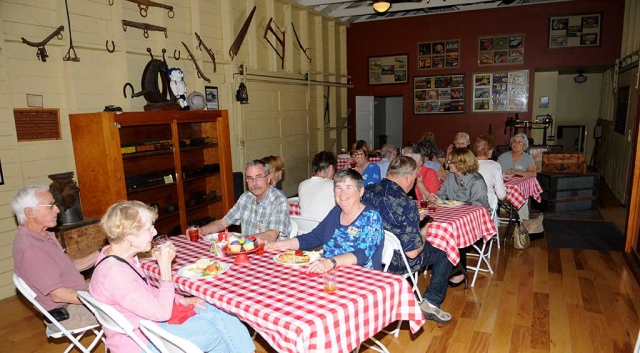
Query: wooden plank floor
x=538 y=300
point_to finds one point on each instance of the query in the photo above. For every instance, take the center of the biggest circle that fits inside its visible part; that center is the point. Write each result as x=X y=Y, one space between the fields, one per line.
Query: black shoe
x=465 y=280
x=454 y=284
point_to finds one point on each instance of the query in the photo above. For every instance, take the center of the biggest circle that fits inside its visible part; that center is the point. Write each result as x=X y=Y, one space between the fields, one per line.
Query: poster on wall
x=439 y=54
x=574 y=31
x=501 y=50
x=504 y=91
x=388 y=69
x=441 y=94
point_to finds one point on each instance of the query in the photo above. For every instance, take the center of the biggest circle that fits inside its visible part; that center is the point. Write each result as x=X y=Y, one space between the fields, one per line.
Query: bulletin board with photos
x=501 y=91
x=388 y=69
x=501 y=50
x=441 y=94
x=439 y=54
x=574 y=31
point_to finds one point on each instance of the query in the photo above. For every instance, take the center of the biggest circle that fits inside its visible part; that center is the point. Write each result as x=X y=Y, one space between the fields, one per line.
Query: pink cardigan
x=116 y=284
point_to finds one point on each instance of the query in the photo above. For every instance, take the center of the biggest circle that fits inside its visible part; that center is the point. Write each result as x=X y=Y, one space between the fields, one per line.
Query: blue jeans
x=439 y=273
x=212 y=330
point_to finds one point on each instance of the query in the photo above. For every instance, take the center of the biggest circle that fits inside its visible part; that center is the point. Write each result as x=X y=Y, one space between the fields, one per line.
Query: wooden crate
x=558 y=182
x=564 y=162
x=568 y=205
x=82 y=238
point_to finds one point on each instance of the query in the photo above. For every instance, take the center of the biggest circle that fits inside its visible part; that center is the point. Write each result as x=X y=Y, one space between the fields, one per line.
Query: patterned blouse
x=363 y=238
x=400 y=217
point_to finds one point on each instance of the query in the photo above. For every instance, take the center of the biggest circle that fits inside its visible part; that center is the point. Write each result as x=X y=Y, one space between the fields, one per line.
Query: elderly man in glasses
x=262 y=211
x=42 y=263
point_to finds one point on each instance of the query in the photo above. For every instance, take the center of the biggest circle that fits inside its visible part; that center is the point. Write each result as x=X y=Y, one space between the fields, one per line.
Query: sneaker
x=434 y=314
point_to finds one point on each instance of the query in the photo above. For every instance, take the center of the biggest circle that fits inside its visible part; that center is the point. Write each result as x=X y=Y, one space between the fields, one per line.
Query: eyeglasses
x=257 y=178
x=356 y=154
x=50 y=205
x=517 y=142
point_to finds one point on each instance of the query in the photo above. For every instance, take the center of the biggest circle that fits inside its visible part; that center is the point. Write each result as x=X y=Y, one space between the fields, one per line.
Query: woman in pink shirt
x=119 y=281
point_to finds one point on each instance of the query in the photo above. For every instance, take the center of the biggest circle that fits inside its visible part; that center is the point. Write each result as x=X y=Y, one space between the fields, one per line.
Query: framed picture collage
x=502 y=91
x=438 y=94
x=439 y=54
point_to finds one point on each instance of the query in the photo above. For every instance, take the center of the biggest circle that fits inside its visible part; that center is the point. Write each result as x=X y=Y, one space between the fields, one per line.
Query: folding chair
x=391 y=245
x=167 y=342
x=112 y=319
x=73 y=335
x=511 y=220
x=305 y=224
x=484 y=254
x=294 y=229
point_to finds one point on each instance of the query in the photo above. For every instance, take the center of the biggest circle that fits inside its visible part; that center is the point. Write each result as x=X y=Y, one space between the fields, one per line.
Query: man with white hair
x=388 y=152
x=41 y=261
x=461 y=140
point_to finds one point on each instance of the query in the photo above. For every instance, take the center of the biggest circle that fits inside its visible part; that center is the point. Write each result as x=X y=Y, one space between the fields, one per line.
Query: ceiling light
x=381 y=6
x=580 y=78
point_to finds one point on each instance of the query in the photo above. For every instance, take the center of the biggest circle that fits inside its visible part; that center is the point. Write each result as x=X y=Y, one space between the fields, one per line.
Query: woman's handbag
x=521 y=237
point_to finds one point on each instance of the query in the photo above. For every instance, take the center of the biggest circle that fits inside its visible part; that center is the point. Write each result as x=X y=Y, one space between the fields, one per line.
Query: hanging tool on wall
x=68 y=56
x=304 y=50
x=144 y=6
x=42 y=52
x=145 y=27
x=237 y=43
x=280 y=40
x=154 y=83
x=193 y=58
x=201 y=45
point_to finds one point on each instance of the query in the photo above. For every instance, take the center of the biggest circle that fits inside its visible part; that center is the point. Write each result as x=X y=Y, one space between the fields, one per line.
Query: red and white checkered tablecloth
x=289 y=309
x=520 y=189
x=294 y=209
x=456 y=227
x=342 y=162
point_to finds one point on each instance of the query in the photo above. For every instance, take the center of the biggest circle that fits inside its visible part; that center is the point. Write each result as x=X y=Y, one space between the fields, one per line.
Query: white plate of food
x=297 y=258
x=446 y=203
x=213 y=237
x=200 y=270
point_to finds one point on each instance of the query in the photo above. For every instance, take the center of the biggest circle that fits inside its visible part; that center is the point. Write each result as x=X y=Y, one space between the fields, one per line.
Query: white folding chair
x=295 y=199
x=294 y=229
x=167 y=342
x=112 y=319
x=73 y=335
x=484 y=254
x=637 y=349
x=391 y=245
x=305 y=224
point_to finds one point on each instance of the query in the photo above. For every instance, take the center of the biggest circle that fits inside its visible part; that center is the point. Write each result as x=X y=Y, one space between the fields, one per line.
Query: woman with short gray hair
x=517 y=162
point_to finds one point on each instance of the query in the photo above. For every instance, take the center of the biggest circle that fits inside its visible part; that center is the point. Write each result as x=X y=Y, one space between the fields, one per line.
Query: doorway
x=571 y=137
x=388 y=121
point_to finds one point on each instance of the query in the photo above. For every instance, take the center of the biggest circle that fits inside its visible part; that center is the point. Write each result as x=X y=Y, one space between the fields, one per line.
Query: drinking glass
x=424 y=203
x=329 y=281
x=194 y=233
x=432 y=206
x=159 y=241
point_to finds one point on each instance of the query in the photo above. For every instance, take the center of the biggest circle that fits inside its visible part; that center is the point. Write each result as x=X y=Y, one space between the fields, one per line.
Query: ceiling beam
x=406 y=6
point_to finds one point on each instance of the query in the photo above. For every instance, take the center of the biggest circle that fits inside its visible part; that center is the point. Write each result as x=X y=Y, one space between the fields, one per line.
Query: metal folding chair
x=305 y=224
x=166 y=342
x=73 y=335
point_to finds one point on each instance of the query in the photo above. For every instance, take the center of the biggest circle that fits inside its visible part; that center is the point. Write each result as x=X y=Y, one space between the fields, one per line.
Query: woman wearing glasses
x=517 y=162
x=360 y=162
x=464 y=184
x=119 y=281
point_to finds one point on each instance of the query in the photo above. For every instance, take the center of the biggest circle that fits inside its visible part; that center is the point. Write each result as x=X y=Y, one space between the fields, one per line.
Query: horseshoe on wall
x=174 y=55
x=113 y=46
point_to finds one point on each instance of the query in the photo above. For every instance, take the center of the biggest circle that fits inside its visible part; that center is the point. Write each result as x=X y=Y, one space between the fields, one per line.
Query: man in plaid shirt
x=262 y=211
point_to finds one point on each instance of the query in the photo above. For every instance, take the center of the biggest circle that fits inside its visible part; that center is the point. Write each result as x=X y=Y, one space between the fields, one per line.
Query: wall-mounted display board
x=438 y=94
x=502 y=91
x=388 y=69
x=574 y=31
x=500 y=50
x=439 y=54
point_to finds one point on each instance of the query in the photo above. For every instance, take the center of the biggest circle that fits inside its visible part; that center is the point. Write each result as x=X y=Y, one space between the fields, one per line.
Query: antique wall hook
x=113 y=46
x=174 y=54
x=150 y=54
x=163 y=52
x=145 y=27
x=68 y=56
x=42 y=52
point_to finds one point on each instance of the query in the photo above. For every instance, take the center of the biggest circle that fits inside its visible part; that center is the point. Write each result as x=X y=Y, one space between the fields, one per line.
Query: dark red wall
x=401 y=36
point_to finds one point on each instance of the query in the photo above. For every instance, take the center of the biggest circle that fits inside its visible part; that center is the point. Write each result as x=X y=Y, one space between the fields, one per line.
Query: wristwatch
x=334 y=262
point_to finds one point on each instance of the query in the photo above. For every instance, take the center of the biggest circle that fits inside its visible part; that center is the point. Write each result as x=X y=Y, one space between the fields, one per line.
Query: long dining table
x=455 y=227
x=289 y=308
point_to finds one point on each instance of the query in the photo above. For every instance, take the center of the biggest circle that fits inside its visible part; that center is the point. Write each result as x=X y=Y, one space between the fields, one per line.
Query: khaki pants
x=79 y=316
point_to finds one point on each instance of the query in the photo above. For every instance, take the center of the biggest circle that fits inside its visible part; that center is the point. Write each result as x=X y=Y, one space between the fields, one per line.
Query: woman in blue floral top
x=360 y=156
x=351 y=234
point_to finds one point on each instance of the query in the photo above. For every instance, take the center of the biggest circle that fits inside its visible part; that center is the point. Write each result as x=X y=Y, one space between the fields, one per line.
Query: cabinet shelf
x=194 y=148
x=204 y=204
x=134 y=191
x=167 y=215
x=146 y=154
x=186 y=180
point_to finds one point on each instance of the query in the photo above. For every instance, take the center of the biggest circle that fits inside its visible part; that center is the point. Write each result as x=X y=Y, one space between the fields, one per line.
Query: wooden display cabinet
x=105 y=146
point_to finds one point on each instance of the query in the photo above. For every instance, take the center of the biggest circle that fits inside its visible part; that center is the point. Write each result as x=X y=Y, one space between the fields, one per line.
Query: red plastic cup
x=193 y=233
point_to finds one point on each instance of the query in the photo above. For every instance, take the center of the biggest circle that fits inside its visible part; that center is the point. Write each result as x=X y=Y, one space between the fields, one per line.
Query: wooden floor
x=538 y=300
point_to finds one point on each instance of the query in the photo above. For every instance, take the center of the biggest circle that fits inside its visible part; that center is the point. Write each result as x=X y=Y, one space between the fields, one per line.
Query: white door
x=364 y=119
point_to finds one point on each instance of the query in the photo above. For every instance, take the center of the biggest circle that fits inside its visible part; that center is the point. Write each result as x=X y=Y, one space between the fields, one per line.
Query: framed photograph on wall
x=442 y=94
x=385 y=70
x=211 y=95
x=501 y=91
x=575 y=31
x=501 y=50
x=439 y=54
